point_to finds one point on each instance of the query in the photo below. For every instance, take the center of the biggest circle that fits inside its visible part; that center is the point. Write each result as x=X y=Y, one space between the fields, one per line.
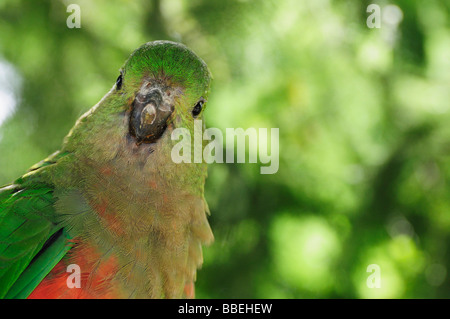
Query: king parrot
x=111 y=215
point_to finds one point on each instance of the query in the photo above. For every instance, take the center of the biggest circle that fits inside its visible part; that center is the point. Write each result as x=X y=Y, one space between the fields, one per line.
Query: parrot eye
x=198 y=108
x=119 y=82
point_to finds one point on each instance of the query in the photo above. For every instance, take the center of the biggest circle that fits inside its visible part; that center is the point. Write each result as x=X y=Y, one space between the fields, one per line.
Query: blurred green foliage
x=364 y=131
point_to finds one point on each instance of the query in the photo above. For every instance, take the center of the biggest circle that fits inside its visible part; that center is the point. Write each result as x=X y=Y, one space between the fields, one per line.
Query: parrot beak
x=149 y=115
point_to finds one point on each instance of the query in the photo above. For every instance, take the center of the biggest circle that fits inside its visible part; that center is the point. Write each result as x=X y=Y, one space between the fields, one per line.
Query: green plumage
x=27 y=222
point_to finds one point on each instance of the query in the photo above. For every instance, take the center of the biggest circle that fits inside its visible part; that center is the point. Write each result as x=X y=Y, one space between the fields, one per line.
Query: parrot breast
x=138 y=223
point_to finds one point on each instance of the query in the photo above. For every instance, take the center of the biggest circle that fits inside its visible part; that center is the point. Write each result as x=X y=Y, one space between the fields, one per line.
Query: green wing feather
x=31 y=242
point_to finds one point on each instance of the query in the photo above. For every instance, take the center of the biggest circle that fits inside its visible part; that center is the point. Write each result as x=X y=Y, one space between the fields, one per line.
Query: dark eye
x=197 y=108
x=119 y=82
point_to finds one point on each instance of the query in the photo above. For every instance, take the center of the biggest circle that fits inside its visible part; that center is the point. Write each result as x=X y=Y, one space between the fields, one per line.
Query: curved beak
x=149 y=115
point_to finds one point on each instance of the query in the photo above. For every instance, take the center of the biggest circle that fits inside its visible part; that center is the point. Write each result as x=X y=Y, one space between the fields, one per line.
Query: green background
x=364 y=128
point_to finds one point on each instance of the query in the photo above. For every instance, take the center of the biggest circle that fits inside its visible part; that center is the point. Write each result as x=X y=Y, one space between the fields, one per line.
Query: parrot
x=110 y=215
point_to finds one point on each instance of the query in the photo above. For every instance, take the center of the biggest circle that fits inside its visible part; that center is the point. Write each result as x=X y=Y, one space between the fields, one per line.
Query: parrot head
x=168 y=83
x=162 y=86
